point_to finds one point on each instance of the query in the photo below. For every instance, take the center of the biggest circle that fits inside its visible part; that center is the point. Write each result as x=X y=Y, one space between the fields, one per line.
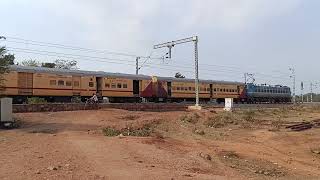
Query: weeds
x=249 y=116
x=144 y=131
x=108 y=131
x=194 y=118
x=221 y=120
x=36 y=100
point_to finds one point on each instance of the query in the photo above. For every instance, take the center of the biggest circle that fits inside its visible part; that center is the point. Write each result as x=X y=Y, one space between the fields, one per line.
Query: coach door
x=25 y=83
x=211 y=91
x=135 y=87
x=169 y=88
x=76 y=85
x=99 y=88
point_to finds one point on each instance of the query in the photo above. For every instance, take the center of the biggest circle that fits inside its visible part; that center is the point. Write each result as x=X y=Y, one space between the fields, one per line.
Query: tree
x=30 y=62
x=48 y=65
x=4 y=65
x=179 y=75
x=65 y=64
x=9 y=58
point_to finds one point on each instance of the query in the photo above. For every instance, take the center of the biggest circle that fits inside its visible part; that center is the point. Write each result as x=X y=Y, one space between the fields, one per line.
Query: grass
x=108 y=131
x=36 y=100
x=143 y=131
x=221 y=120
x=193 y=118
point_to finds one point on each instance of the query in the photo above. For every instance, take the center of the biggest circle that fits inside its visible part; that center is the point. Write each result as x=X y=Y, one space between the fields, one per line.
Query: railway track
x=19 y=108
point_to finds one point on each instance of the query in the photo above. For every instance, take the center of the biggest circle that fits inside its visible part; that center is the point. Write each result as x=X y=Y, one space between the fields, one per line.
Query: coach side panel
x=10 y=84
x=117 y=87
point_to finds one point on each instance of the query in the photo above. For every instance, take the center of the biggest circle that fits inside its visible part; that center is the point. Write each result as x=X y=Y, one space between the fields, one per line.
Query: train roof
x=75 y=72
x=201 y=80
x=268 y=86
x=103 y=74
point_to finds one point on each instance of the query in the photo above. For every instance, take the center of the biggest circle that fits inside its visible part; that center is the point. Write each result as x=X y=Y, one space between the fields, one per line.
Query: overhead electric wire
x=55 y=54
x=231 y=69
x=46 y=44
x=61 y=46
x=112 y=62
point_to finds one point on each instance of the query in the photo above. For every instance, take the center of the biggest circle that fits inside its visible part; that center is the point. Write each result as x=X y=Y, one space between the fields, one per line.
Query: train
x=64 y=85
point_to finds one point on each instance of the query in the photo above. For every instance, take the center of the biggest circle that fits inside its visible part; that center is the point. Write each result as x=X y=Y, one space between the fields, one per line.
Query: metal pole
x=196 y=69
x=294 y=87
x=311 y=92
x=137 y=65
x=301 y=92
x=294 y=84
x=245 y=78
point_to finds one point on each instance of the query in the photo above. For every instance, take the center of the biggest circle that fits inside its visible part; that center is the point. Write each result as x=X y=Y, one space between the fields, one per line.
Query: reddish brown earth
x=71 y=145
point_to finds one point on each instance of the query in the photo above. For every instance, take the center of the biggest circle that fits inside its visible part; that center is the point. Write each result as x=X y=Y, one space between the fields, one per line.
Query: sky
x=262 y=37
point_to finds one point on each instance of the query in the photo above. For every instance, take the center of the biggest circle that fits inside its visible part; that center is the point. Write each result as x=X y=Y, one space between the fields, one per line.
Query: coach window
x=119 y=85
x=125 y=86
x=193 y=88
x=76 y=83
x=68 y=83
x=113 y=85
x=91 y=84
x=107 y=85
x=178 y=88
x=186 y=89
x=189 y=88
x=60 y=83
x=53 y=82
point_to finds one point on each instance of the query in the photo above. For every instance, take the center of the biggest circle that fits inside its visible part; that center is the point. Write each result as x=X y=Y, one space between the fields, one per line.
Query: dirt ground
x=208 y=144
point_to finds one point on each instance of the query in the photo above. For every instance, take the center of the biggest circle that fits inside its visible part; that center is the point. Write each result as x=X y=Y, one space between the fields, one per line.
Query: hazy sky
x=264 y=37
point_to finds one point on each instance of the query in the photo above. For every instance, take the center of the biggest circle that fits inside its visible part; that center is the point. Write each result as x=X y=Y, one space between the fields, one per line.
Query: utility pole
x=249 y=78
x=311 y=97
x=293 y=76
x=137 y=65
x=171 y=44
x=301 y=92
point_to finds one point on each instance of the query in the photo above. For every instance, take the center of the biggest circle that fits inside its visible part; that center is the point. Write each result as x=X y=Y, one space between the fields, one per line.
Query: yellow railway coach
x=61 y=85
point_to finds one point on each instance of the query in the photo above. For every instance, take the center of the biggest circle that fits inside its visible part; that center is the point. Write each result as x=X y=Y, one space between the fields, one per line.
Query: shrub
x=108 y=131
x=36 y=100
x=221 y=120
x=194 y=118
x=249 y=116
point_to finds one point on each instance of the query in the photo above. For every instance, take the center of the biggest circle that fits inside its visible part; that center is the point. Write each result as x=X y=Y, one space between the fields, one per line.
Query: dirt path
x=70 y=145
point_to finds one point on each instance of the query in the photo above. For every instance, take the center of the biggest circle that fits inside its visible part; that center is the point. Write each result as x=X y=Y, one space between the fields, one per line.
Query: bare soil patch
x=119 y=144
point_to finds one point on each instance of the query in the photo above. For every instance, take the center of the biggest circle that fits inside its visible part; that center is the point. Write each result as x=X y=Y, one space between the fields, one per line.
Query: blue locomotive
x=267 y=94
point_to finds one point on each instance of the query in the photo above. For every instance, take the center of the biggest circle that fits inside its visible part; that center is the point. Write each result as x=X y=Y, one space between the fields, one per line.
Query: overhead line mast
x=171 y=44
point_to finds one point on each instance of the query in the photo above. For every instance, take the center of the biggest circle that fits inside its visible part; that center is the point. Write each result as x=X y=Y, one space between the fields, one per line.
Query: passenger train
x=61 y=85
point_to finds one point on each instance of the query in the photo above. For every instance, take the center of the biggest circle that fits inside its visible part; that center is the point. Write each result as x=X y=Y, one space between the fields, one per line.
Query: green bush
x=108 y=131
x=36 y=100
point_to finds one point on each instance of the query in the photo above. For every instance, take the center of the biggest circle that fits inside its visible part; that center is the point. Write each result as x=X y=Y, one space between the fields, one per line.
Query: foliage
x=9 y=58
x=221 y=120
x=36 y=100
x=4 y=63
x=143 y=131
x=179 y=75
x=193 y=118
x=249 y=115
x=65 y=64
x=108 y=131
x=48 y=65
x=30 y=62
